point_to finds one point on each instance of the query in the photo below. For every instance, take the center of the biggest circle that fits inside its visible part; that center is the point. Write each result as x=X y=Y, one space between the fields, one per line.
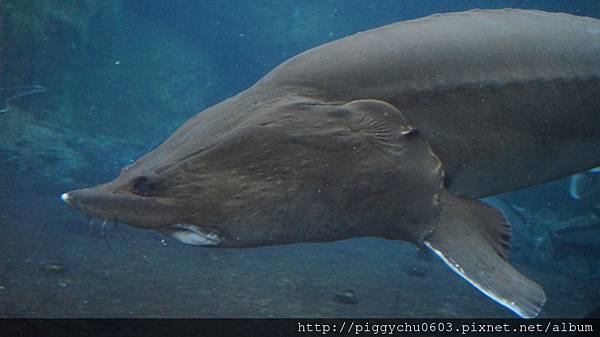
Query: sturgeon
x=393 y=133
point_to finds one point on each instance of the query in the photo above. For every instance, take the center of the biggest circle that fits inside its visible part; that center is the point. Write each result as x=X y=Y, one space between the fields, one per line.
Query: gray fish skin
x=507 y=98
x=388 y=133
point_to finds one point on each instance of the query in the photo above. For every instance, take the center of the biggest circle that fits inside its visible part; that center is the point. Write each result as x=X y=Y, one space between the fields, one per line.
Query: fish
x=564 y=248
x=13 y=92
x=563 y=244
x=53 y=268
x=395 y=133
x=346 y=296
x=567 y=241
x=583 y=185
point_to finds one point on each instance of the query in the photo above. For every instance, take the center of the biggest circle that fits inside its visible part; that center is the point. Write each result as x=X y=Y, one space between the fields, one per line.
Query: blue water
x=120 y=76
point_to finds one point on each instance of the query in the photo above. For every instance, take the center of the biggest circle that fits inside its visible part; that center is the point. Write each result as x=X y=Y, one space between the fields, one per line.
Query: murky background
x=86 y=87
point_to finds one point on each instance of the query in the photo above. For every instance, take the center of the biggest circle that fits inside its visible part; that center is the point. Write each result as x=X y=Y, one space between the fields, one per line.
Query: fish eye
x=143 y=185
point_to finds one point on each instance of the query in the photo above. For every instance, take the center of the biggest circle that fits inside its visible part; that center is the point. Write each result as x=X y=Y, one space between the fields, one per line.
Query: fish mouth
x=193 y=235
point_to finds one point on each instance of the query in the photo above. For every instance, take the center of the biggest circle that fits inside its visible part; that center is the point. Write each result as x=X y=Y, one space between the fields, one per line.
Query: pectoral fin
x=472 y=239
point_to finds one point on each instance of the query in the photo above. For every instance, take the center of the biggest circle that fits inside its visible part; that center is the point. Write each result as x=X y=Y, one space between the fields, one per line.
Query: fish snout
x=66 y=197
x=87 y=200
x=109 y=203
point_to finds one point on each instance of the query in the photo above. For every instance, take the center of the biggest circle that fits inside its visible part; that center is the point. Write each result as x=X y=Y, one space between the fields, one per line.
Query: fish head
x=274 y=173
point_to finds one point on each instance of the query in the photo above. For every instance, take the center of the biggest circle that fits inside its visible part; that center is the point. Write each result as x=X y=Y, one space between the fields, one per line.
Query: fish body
x=390 y=133
x=507 y=98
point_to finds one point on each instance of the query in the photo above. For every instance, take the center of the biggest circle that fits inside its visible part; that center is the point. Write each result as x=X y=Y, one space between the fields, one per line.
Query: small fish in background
x=53 y=268
x=558 y=244
x=583 y=185
x=564 y=248
x=548 y=244
x=525 y=229
x=8 y=94
x=346 y=296
x=567 y=243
